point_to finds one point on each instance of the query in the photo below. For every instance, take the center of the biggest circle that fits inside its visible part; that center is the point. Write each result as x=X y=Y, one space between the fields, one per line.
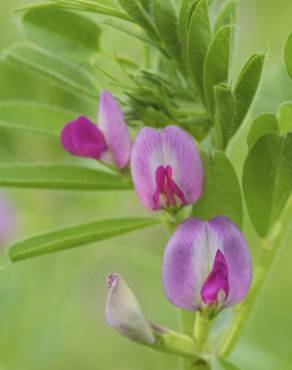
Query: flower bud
x=123 y=312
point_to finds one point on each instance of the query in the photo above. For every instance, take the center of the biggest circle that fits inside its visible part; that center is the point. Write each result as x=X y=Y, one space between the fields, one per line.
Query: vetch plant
x=164 y=125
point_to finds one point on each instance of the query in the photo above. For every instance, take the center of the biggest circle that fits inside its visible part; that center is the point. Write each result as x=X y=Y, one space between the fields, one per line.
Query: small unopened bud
x=123 y=312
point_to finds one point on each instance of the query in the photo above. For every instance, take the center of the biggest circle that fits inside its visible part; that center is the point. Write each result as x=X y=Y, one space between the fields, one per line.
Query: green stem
x=174 y=343
x=201 y=332
x=187 y=320
x=269 y=249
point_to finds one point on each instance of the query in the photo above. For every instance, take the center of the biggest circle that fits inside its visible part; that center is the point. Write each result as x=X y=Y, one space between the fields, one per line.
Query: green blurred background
x=51 y=308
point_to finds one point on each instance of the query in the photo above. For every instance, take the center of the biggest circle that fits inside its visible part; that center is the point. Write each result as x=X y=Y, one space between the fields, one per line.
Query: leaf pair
x=208 y=54
x=209 y=60
x=267 y=176
x=233 y=106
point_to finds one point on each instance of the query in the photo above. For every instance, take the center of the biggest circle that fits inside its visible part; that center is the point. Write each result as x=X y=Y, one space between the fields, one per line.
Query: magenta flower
x=123 y=312
x=166 y=168
x=206 y=263
x=109 y=142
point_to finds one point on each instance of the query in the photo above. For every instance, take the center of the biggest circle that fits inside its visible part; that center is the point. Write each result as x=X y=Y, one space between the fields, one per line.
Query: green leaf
x=264 y=124
x=183 y=26
x=62 y=32
x=136 y=10
x=267 y=180
x=222 y=194
x=247 y=87
x=217 y=64
x=22 y=85
x=60 y=176
x=224 y=111
x=184 y=17
x=226 y=14
x=288 y=55
x=93 y=7
x=130 y=31
x=76 y=236
x=69 y=75
x=285 y=118
x=199 y=38
x=219 y=363
x=35 y=118
x=167 y=24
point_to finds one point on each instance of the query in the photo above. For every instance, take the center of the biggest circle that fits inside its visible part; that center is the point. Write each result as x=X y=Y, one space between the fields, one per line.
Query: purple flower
x=166 y=168
x=109 y=142
x=206 y=263
x=123 y=312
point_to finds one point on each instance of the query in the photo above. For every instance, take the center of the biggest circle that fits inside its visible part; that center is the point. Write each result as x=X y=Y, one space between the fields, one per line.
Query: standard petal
x=117 y=136
x=237 y=257
x=189 y=259
x=181 y=153
x=176 y=151
x=186 y=263
x=123 y=313
x=145 y=160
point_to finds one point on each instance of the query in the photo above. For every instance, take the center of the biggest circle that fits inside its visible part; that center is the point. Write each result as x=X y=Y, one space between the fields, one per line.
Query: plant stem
x=269 y=249
x=198 y=327
x=187 y=320
x=174 y=343
x=201 y=332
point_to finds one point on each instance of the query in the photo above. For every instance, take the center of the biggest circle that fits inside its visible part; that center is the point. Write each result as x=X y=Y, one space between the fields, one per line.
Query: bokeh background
x=51 y=308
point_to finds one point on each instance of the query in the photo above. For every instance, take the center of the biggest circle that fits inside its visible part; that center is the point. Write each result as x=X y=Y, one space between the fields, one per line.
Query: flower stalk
x=174 y=343
x=201 y=331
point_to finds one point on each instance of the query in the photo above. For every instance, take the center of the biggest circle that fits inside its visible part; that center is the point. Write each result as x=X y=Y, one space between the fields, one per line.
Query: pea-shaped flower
x=166 y=168
x=123 y=312
x=108 y=142
x=206 y=263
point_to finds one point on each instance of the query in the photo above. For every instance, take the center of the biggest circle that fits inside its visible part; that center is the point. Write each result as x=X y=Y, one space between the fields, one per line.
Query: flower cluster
x=206 y=264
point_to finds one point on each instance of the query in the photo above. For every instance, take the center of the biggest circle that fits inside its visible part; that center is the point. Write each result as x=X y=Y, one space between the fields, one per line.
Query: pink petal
x=82 y=138
x=237 y=257
x=111 y=123
x=216 y=285
x=67 y=140
x=169 y=147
